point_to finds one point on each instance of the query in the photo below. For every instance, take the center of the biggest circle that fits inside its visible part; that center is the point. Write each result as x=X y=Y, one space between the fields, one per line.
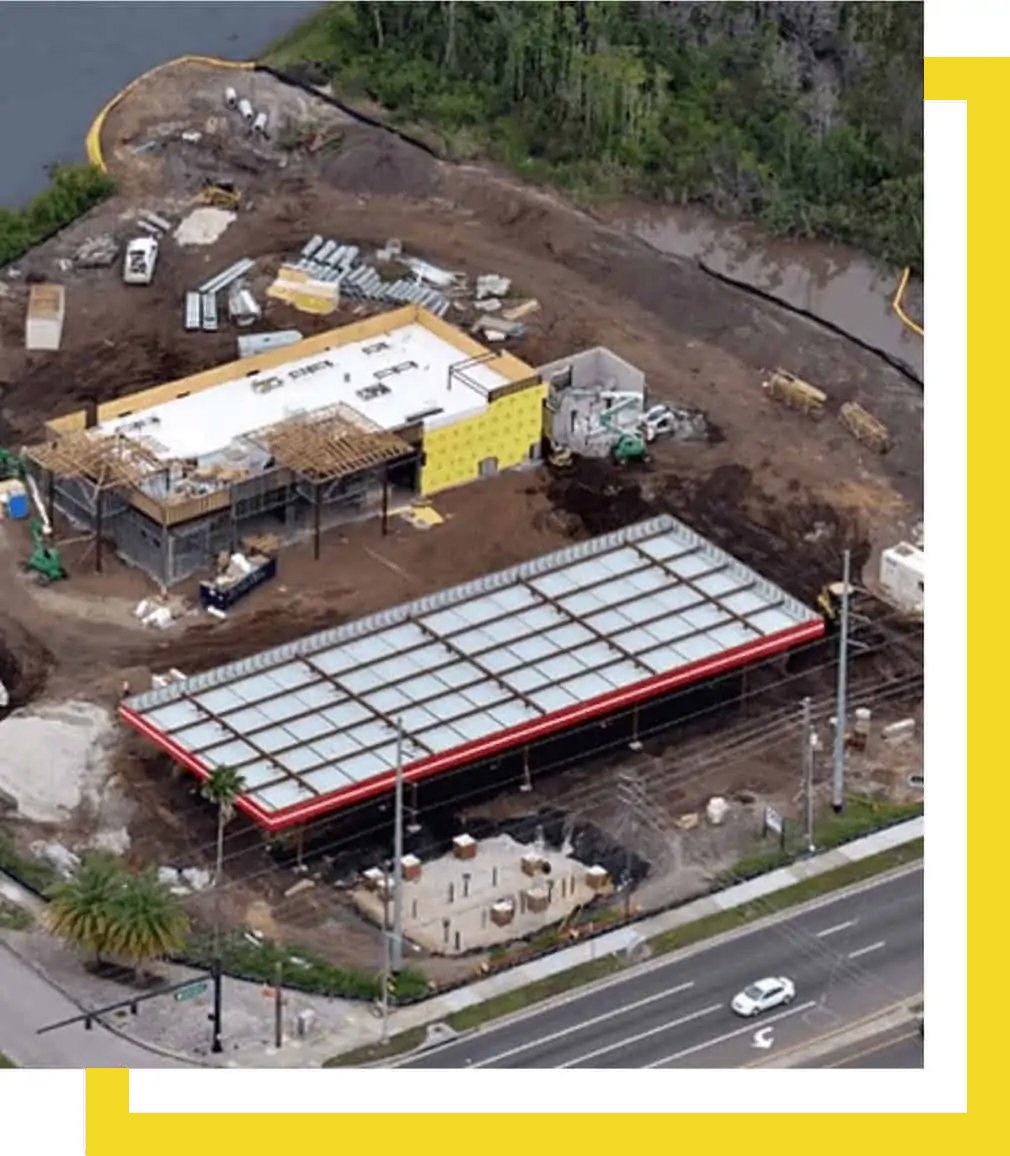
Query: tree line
x=626 y=98
x=73 y=191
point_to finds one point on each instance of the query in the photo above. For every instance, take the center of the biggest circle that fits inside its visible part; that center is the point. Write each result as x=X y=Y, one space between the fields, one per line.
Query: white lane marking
x=705 y=1011
x=764 y=1037
x=837 y=927
x=865 y=950
x=558 y=1035
x=729 y=1035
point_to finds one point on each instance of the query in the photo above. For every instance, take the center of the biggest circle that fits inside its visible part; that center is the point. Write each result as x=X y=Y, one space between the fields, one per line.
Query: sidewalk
x=616 y=941
x=181 y=1029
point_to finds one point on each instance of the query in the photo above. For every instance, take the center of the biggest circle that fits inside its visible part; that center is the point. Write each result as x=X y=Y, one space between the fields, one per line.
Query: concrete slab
x=447 y=911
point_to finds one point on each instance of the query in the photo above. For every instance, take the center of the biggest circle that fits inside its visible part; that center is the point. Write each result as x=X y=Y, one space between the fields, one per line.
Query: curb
x=646 y=926
x=154 y=1049
x=654 y=964
x=868 y=1027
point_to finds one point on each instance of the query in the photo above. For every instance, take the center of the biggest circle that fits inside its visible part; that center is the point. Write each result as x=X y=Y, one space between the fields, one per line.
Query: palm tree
x=79 y=909
x=145 y=919
x=222 y=787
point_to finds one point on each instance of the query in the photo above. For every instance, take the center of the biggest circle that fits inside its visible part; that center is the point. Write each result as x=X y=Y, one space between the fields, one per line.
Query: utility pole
x=626 y=797
x=808 y=773
x=215 y=1015
x=386 y=970
x=398 y=854
x=278 y=1007
x=838 y=778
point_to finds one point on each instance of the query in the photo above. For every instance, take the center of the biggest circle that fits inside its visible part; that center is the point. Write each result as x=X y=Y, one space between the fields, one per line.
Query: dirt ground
x=782 y=494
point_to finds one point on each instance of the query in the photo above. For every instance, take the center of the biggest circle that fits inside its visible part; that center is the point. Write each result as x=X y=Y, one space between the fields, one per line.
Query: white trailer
x=903 y=577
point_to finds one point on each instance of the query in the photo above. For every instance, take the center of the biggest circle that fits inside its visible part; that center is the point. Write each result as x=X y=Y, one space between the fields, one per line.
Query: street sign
x=773 y=821
x=763 y=1038
x=191 y=992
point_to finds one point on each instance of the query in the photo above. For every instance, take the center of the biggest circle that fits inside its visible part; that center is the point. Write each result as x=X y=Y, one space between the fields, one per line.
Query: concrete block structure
x=397 y=405
x=592 y=397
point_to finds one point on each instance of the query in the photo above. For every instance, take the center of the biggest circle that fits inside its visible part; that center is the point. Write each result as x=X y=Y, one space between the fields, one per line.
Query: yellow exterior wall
x=506 y=431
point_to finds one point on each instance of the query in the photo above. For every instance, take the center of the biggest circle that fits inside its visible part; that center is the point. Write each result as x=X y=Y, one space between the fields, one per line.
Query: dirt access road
x=780 y=493
x=772 y=478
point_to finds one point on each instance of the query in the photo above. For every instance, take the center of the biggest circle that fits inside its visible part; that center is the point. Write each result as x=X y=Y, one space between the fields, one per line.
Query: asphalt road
x=900 y=1047
x=27 y=1002
x=850 y=957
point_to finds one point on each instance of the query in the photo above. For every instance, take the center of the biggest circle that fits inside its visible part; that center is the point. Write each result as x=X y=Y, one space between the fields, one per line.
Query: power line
x=594 y=793
x=685 y=719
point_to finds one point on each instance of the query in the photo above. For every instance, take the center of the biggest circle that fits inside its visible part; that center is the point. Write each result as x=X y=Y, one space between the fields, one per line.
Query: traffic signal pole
x=215 y=1016
x=88 y=1018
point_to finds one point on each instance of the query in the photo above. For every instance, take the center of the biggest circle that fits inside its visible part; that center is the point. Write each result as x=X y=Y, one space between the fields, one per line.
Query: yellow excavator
x=829 y=601
x=220 y=195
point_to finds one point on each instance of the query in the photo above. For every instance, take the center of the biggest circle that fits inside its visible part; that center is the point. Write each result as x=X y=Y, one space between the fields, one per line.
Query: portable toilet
x=17 y=504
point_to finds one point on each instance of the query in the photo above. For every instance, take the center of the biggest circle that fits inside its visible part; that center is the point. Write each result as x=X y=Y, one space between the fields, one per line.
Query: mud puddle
x=839 y=286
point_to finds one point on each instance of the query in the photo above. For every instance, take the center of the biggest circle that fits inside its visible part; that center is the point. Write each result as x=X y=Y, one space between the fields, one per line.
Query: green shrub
x=35 y=874
x=14 y=918
x=300 y=968
x=863 y=815
x=74 y=190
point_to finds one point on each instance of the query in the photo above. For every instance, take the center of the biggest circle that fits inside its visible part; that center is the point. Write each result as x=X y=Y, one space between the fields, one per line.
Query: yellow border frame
x=112 y=1131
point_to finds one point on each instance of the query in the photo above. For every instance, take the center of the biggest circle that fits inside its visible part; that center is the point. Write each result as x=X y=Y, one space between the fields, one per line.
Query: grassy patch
x=300 y=968
x=395 y=1046
x=514 y=1001
x=6 y=1061
x=13 y=918
x=800 y=892
x=863 y=815
x=74 y=190
x=33 y=873
x=309 y=40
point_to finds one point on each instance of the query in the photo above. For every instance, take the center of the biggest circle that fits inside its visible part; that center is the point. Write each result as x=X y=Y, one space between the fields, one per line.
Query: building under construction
x=384 y=410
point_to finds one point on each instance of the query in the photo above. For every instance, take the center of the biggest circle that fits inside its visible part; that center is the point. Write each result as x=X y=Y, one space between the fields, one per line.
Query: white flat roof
x=312 y=721
x=389 y=379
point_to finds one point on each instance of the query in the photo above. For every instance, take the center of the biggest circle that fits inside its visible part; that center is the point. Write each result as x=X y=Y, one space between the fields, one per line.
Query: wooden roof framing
x=330 y=444
x=108 y=461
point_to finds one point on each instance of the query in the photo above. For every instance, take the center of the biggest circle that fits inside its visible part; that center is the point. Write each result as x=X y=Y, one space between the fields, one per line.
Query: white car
x=764 y=994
